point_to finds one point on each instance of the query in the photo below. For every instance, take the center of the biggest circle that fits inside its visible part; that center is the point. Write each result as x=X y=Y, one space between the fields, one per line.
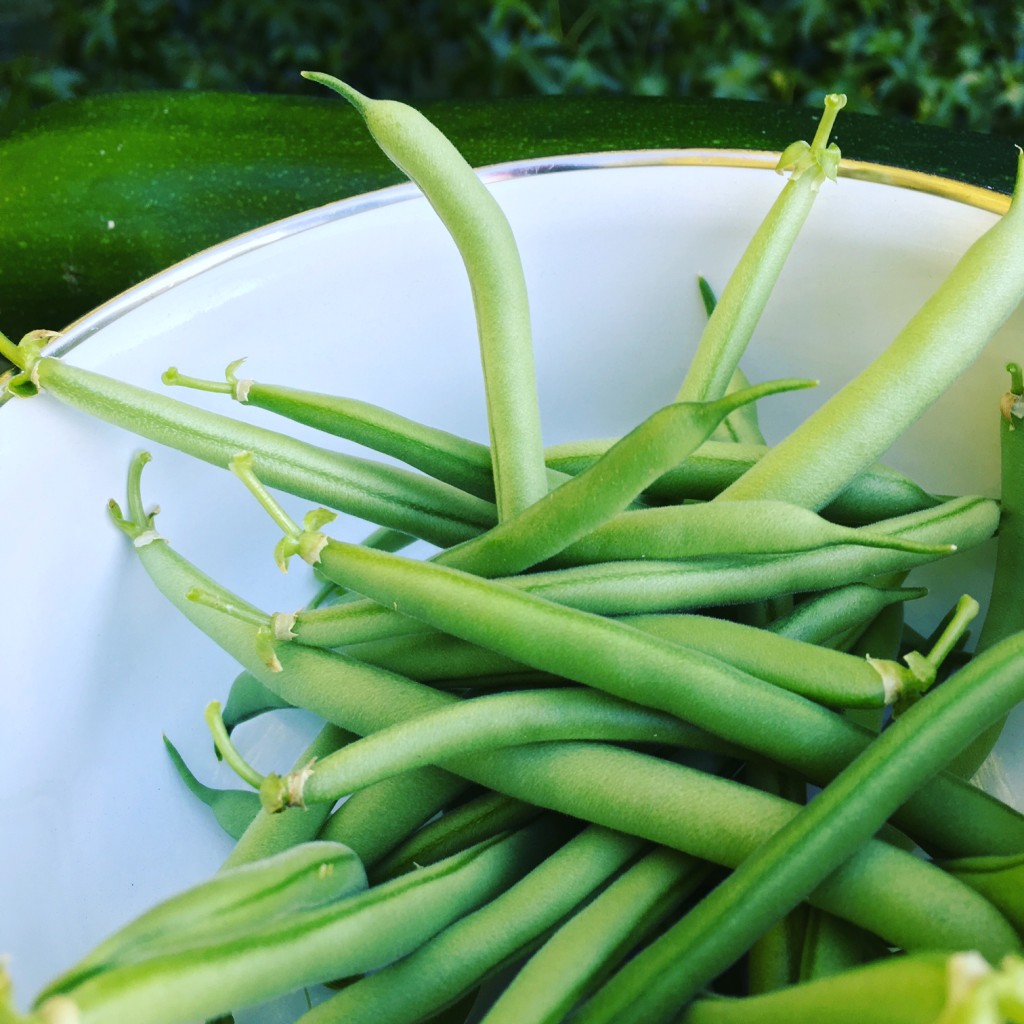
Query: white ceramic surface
x=369 y=298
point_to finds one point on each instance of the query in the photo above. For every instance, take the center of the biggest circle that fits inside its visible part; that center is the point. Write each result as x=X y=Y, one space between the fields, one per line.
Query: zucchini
x=97 y=194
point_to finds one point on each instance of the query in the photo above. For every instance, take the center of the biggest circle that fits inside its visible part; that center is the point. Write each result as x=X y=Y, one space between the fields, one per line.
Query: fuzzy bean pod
x=484 y=239
x=303 y=878
x=353 y=935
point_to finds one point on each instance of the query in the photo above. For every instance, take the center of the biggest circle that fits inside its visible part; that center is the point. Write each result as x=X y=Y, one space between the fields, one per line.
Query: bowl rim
x=198 y=263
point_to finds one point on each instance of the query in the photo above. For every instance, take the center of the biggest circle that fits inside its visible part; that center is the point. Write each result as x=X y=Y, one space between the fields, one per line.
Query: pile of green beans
x=565 y=763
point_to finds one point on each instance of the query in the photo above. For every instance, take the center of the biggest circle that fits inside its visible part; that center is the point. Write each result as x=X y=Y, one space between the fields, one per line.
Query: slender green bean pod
x=1004 y=615
x=919 y=989
x=623 y=588
x=844 y=815
x=506 y=719
x=305 y=877
x=999 y=879
x=484 y=239
x=387 y=495
x=354 y=935
x=845 y=435
x=876 y=493
x=438 y=453
x=470 y=949
x=597 y=938
x=744 y=297
x=715 y=530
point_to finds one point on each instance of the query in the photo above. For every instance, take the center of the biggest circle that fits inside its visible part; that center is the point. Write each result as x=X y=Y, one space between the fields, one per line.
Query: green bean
x=846 y=434
x=845 y=814
x=457 y=959
x=597 y=937
x=920 y=989
x=507 y=719
x=1004 y=615
x=876 y=493
x=821 y=618
x=304 y=878
x=484 y=239
x=234 y=809
x=826 y=676
x=471 y=822
x=383 y=494
x=998 y=879
x=447 y=457
x=354 y=935
x=739 y=308
x=710 y=530
x=621 y=588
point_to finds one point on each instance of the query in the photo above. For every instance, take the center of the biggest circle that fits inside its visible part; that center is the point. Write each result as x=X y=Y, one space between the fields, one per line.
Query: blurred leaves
x=948 y=62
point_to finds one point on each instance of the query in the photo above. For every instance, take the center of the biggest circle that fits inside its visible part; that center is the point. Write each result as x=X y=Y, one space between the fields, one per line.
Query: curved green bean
x=303 y=878
x=353 y=935
x=484 y=239
x=716 y=530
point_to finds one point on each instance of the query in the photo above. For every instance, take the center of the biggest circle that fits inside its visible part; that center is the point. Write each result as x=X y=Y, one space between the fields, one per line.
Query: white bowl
x=368 y=298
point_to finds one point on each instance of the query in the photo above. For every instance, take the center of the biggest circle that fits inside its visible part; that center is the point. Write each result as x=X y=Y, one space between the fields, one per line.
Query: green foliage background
x=948 y=62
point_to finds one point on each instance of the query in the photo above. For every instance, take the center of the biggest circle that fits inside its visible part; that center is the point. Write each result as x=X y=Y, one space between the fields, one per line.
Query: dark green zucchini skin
x=100 y=193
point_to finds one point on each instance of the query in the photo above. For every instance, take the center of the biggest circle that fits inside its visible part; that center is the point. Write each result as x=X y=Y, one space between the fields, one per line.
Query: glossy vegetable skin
x=98 y=194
